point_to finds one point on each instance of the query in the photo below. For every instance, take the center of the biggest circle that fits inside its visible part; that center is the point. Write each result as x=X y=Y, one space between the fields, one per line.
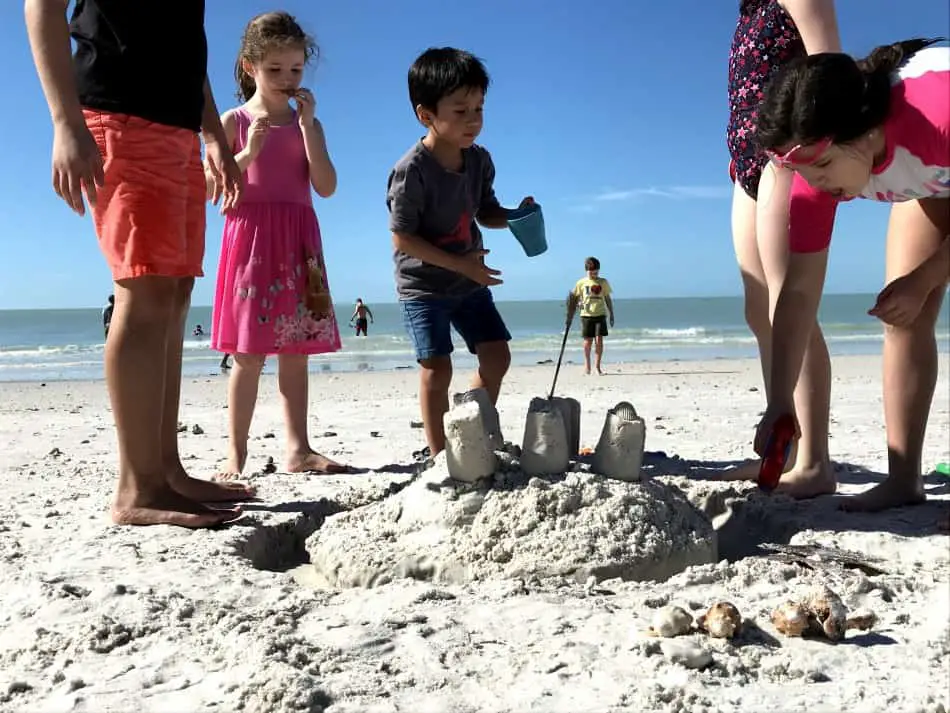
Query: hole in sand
x=743 y=522
x=281 y=547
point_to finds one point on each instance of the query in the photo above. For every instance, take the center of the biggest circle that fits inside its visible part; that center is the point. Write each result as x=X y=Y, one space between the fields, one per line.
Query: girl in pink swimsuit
x=879 y=129
x=272 y=295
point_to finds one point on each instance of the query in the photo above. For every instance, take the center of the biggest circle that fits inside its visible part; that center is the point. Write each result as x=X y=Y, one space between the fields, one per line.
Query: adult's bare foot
x=209 y=491
x=810 y=482
x=892 y=493
x=168 y=507
x=315 y=463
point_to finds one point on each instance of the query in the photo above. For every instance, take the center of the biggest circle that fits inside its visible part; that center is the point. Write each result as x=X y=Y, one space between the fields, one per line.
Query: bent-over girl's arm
x=795 y=314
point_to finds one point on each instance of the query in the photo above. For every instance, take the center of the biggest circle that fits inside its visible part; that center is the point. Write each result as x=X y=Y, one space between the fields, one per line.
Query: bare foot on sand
x=746 y=471
x=209 y=491
x=168 y=507
x=892 y=493
x=804 y=483
x=233 y=468
x=315 y=463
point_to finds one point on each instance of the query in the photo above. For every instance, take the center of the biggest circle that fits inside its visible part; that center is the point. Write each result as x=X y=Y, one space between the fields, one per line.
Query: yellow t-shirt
x=592 y=296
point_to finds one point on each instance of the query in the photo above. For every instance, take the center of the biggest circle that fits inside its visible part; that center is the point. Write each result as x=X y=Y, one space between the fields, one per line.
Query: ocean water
x=47 y=345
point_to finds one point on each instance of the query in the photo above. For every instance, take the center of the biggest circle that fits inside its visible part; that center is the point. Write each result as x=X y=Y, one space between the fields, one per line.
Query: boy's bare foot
x=804 y=483
x=209 y=491
x=167 y=507
x=892 y=493
x=315 y=463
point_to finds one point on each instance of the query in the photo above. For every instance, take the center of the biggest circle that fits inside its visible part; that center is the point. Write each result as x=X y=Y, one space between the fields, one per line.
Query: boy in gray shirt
x=439 y=194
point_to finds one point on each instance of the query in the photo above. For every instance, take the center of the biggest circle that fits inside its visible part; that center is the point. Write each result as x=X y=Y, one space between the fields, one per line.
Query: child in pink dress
x=272 y=294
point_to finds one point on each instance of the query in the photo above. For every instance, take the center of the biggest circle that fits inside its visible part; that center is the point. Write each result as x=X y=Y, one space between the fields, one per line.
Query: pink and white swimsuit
x=917 y=141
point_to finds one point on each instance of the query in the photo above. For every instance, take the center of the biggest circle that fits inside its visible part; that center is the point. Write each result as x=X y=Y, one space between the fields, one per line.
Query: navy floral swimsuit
x=766 y=38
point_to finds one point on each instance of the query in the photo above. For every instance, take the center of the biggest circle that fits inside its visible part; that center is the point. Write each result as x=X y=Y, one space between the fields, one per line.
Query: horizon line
x=517 y=300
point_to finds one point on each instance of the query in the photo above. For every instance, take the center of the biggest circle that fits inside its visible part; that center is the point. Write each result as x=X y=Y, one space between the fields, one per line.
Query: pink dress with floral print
x=270 y=250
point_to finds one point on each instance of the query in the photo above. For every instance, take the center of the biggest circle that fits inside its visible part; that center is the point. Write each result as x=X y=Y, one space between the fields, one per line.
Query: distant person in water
x=198 y=331
x=107 y=315
x=360 y=315
x=597 y=308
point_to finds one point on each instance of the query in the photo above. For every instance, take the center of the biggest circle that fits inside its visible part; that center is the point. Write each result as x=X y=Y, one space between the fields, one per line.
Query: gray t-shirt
x=439 y=206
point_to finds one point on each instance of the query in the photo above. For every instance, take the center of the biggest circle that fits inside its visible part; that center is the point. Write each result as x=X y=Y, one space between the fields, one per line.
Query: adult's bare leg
x=136 y=378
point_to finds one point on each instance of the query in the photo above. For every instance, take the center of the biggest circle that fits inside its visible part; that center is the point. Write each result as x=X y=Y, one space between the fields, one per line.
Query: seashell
x=671 y=621
x=829 y=612
x=861 y=620
x=721 y=621
x=790 y=618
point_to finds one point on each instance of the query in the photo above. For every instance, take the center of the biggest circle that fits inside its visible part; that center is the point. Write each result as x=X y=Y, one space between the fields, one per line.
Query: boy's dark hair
x=266 y=33
x=439 y=71
x=830 y=95
x=591 y=263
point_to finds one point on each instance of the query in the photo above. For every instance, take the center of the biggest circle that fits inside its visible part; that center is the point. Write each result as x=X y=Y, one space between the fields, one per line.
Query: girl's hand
x=526 y=201
x=900 y=302
x=256 y=134
x=767 y=425
x=306 y=107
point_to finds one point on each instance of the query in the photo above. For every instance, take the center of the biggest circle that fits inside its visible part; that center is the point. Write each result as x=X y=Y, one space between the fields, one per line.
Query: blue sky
x=611 y=113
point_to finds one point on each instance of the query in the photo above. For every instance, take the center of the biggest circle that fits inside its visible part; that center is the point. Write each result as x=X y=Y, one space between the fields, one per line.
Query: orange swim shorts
x=150 y=214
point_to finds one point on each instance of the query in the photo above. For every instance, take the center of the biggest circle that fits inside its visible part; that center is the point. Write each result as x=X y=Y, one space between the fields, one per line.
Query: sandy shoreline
x=98 y=618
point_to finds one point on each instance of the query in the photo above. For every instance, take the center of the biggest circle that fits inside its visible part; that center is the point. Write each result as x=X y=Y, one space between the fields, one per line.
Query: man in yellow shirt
x=596 y=307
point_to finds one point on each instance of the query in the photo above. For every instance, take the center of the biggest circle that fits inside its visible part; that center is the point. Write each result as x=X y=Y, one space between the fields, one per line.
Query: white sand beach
x=99 y=618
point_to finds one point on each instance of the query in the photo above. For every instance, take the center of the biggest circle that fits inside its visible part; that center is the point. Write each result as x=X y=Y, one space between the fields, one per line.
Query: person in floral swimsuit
x=769 y=34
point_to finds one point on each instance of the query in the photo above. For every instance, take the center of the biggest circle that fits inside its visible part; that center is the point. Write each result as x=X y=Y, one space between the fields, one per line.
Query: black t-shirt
x=143 y=59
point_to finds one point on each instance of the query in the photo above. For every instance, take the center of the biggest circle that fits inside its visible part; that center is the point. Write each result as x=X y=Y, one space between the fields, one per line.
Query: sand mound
x=576 y=525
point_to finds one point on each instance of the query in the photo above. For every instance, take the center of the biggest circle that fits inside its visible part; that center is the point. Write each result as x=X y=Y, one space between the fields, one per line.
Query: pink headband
x=802 y=154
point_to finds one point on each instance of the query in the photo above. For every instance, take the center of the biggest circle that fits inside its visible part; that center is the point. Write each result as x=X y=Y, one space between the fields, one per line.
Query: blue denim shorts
x=475 y=317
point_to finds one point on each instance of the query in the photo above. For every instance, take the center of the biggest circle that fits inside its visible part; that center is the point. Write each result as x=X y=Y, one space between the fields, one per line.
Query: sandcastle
x=551 y=438
x=480 y=513
x=619 y=452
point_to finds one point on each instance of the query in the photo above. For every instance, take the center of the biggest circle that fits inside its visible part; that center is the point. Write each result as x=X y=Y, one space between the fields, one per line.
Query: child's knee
x=436 y=373
x=494 y=360
x=250 y=362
